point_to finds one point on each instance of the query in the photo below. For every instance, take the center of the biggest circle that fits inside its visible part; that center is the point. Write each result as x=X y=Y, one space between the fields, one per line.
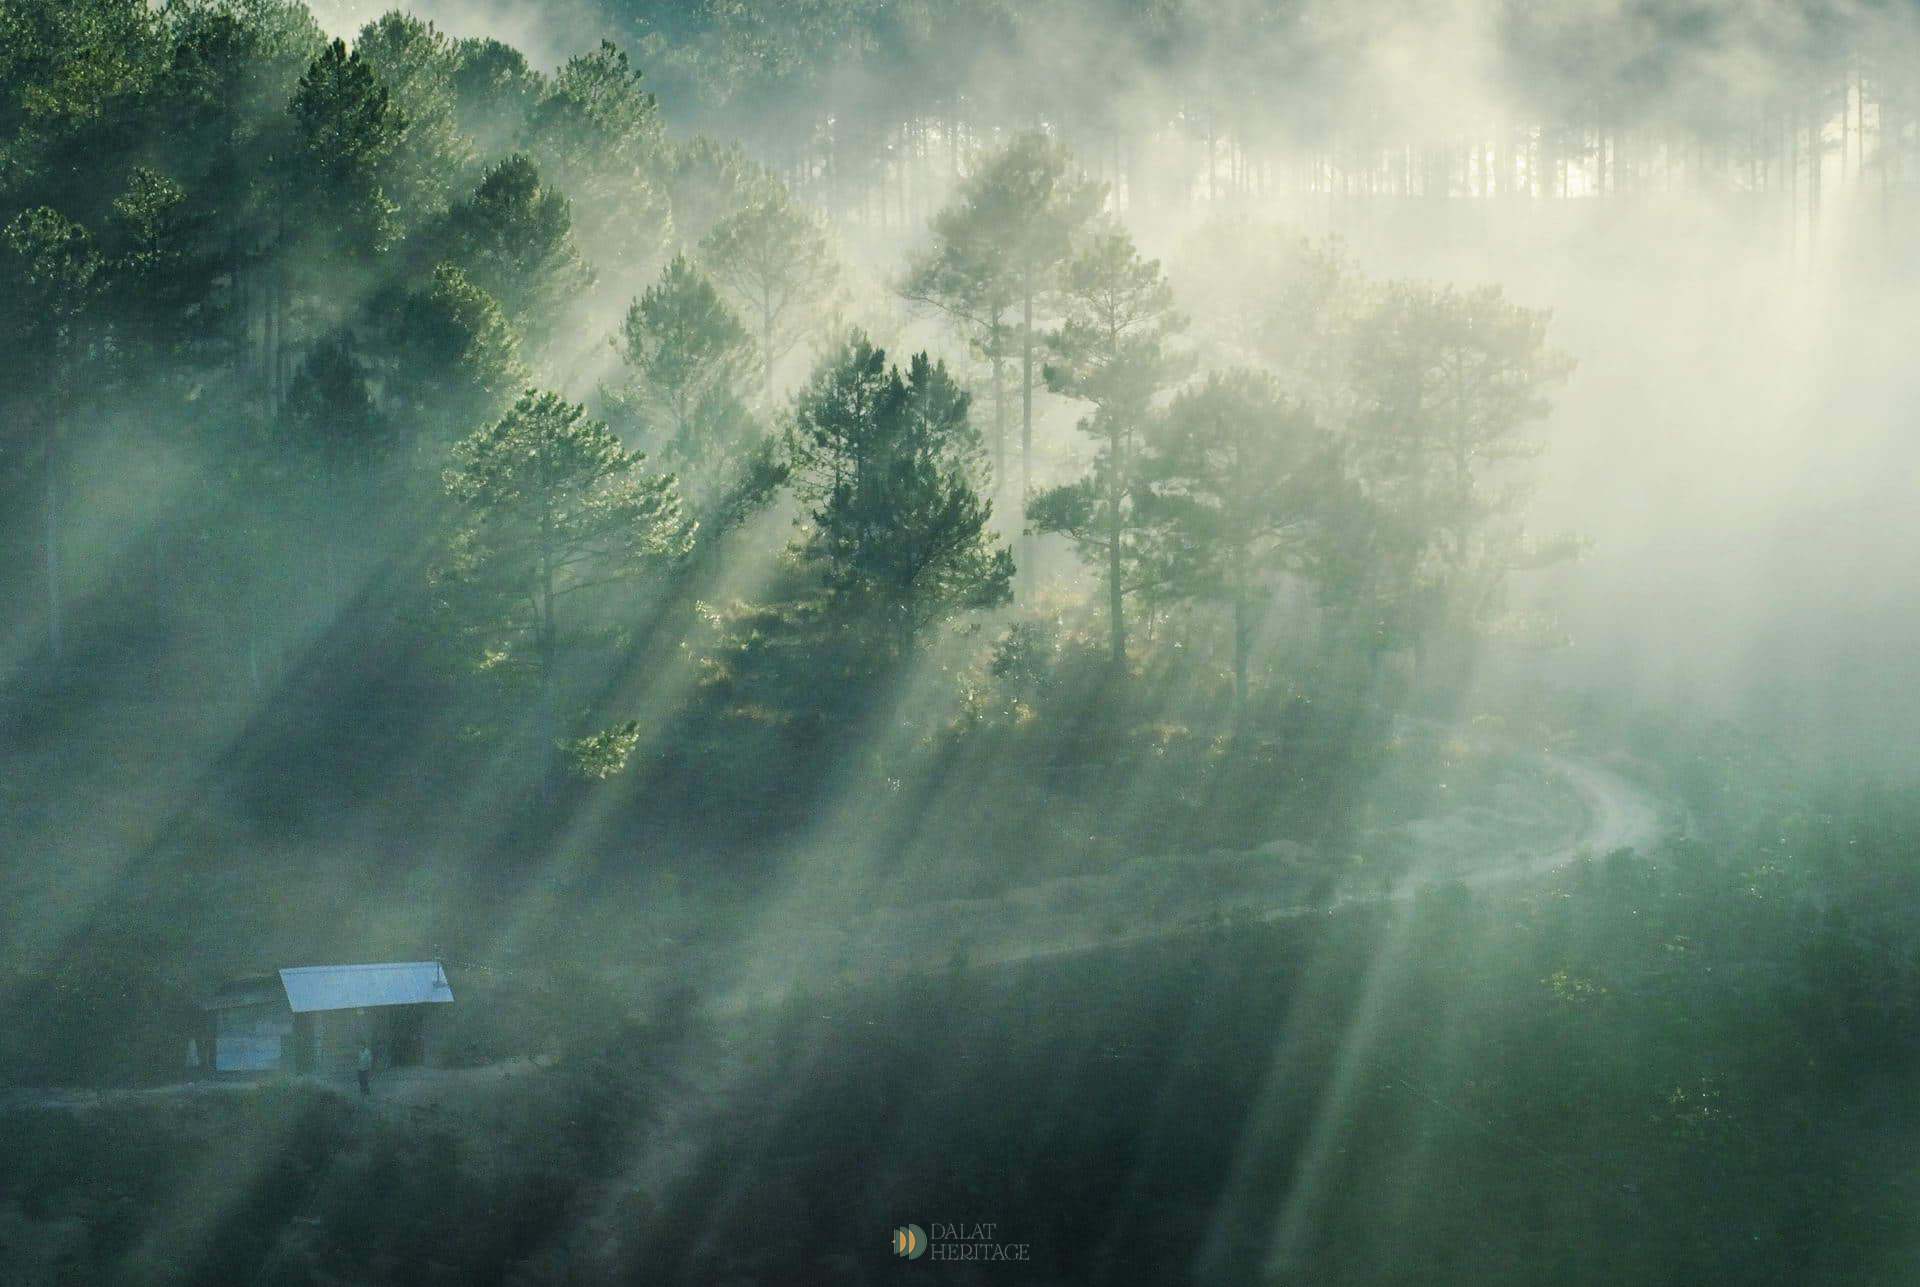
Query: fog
x=1226 y=641
x=1734 y=442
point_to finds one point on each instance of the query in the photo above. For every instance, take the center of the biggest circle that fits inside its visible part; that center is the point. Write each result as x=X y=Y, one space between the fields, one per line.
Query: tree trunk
x=277 y=342
x=1115 y=593
x=549 y=660
x=1792 y=134
x=1846 y=112
x=766 y=355
x=1213 y=191
x=56 y=633
x=1242 y=646
x=1026 y=428
x=1816 y=157
x=999 y=421
x=1860 y=130
x=331 y=541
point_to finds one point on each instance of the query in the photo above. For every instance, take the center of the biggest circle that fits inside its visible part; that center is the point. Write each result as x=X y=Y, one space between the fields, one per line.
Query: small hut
x=315 y=1018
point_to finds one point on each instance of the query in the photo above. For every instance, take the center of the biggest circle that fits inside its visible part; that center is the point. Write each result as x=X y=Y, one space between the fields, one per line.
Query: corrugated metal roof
x=349 y=987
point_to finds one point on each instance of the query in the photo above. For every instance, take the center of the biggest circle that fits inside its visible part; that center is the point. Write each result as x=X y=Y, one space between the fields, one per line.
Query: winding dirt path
x=1620 y=815
x=1166 y=896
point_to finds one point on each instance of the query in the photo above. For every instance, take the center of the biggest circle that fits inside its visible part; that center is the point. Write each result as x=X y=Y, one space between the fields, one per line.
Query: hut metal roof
x=350 y=987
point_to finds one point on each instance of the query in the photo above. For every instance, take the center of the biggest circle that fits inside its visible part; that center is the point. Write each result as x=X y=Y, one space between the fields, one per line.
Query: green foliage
x=707 y=180
x=514 y=239
x=235 y=64
x=224 y=134
x=494 y=92
x=1237 y=468
x=148 y=212
x=893 y=472
x=52 y=269
x=288 y=283
x=155 y=273
x=70 y=71
x=597 y=135
x=1280 y=301
x=1021 y=657
x=456 y=360
x=1118 y=316
x=963 y=277
x=416 y=64
x=1430 y=392
x=684 y=342
x=690 y=373
x=555 y=506
x=245 y=273
x=348 y=130
x=1015 y=217
x=777 y=261
x=1445 y=382
x=599 y=95
x=603 y=754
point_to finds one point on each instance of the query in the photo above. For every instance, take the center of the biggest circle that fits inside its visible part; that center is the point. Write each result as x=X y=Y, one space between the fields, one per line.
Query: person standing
x=365 y=1069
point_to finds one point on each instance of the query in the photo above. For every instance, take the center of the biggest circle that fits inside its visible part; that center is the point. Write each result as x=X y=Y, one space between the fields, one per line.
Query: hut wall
x=251 y=1038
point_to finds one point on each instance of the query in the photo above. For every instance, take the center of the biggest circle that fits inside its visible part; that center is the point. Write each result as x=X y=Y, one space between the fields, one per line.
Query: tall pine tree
x=690 y=370
x=1113 y=353
x=554 y=507
x=893 y=475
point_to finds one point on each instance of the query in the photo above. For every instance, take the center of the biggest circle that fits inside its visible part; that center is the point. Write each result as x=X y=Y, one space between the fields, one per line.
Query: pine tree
x=691 y=370
x=336 y=440
x=893 y=474
x=348 y=129
x=154 y=277
x=494 y=93
x=227 y=136
x=1445 y=384
x=597 y=136
x=964 y=278
x=706 y=181
x=75 y=76
x=554 y=506
x=416 y=63
x=453 y=363
x=514 y=239
x=778 y=261
x=1112 y=352
x=1281 y=301
x=1238 y=472
x=331 y=416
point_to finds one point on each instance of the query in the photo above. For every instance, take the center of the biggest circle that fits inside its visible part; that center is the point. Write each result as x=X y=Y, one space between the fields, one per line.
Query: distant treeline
x=866 y=105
